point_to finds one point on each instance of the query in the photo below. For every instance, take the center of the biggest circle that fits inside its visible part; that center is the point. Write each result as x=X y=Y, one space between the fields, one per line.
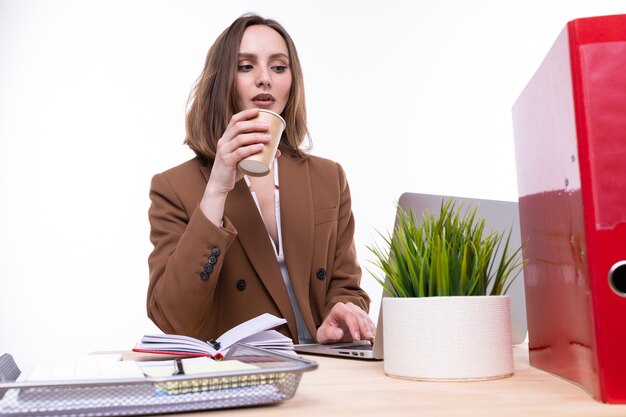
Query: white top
x=303 y=333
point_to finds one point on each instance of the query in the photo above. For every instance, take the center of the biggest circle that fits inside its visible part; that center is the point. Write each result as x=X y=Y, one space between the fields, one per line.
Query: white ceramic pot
x=448 y=338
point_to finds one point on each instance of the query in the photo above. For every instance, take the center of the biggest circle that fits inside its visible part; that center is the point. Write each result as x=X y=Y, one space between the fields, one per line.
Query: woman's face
x=263 y=75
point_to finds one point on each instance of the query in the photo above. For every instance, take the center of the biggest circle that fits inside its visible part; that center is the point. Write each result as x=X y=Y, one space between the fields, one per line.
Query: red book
x=570 y=144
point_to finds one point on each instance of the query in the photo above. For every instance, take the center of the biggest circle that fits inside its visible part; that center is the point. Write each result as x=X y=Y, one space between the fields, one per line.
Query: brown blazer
x=206 y=279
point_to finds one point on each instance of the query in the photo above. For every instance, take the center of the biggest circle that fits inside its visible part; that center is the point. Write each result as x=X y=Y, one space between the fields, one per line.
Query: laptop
x=498 y=214
x=362 y=349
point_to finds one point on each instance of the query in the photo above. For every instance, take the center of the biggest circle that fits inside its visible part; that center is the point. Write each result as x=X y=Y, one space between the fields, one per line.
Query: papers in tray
x=250 y=376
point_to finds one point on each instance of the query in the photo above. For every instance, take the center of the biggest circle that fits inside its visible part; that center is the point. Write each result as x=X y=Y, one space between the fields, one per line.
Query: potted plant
x=446 y=315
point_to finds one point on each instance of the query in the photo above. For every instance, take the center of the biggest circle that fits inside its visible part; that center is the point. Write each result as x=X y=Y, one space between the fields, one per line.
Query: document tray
x=276 y=379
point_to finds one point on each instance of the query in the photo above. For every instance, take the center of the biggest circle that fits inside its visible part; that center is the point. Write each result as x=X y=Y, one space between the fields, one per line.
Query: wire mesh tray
x=276 y=379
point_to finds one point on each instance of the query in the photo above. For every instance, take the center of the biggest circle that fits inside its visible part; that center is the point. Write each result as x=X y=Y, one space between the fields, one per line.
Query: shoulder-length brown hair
x=213 y=100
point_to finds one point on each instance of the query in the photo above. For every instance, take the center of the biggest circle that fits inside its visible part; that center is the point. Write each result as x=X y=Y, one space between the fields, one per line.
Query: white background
x=406 y=95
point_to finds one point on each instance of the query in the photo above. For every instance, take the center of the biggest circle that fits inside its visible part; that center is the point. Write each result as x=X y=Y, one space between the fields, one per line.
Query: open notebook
x=498 y=214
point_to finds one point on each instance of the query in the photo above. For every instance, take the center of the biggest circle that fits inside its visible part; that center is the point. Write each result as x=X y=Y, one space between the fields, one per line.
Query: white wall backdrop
x=407 y=95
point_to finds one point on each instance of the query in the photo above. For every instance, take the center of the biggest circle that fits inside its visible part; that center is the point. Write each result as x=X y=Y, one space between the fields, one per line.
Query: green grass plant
x=448 y=255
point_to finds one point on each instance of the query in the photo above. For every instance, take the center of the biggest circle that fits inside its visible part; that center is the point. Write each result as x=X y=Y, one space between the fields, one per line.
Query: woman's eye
x=244 y=67
x=279 y=68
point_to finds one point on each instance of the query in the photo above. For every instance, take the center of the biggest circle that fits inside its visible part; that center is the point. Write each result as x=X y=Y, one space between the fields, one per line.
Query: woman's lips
x=263 y=100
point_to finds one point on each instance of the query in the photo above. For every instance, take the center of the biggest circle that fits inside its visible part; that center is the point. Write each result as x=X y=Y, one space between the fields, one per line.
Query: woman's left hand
x=346 y=322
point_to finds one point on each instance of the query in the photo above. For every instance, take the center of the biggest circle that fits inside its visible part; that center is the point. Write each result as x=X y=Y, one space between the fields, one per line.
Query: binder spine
x=598 y=50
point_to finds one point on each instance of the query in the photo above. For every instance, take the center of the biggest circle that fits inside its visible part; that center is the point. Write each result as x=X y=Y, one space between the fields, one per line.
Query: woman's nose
x=264 y=79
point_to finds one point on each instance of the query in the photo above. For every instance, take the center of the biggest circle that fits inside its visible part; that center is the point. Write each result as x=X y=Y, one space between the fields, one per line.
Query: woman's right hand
x=243 y=137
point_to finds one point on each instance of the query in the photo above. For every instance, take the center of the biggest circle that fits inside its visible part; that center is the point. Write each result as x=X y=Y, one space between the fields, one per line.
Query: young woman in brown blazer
x=228 y=248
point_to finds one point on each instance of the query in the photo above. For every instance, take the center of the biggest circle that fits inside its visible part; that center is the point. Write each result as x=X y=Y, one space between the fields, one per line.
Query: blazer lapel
x=297 y=228
x=255 y=241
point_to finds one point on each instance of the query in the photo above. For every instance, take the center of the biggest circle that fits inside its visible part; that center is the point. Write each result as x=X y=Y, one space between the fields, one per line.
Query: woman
x=228 y=248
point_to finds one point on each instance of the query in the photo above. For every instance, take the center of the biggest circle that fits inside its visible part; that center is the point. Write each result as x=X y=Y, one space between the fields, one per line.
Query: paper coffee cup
x=259 y=164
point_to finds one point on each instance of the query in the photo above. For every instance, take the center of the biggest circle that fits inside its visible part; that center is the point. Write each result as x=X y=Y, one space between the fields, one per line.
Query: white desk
x=343 y=387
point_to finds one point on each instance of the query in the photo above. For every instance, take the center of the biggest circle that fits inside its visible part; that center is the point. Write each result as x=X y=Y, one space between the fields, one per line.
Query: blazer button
x=241 y=285
x=215 y=252
x=321 y=273
x=204 y=276
x=212 y=260
x=208 y=268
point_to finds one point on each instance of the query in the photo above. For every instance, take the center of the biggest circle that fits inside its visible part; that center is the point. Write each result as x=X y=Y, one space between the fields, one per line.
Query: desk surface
x=345 y=386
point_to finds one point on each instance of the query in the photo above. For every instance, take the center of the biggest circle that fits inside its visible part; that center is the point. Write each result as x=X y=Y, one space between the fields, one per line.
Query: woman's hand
x=243 y=137
x=346 y=322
